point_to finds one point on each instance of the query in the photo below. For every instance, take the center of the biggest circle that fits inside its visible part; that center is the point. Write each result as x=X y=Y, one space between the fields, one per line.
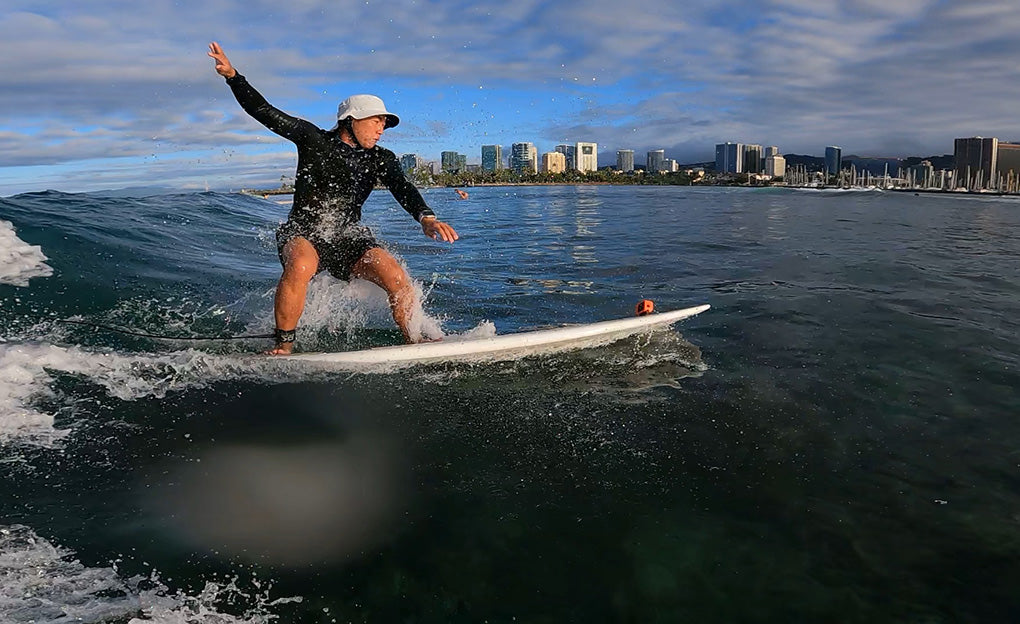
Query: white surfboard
x=502 y=347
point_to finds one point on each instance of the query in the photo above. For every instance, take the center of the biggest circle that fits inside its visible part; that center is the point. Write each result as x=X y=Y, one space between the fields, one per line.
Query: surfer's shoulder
x=384 y=154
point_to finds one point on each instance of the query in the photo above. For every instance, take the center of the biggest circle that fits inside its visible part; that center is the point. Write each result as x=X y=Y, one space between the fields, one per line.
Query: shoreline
x=265 y=193
x=284 y=191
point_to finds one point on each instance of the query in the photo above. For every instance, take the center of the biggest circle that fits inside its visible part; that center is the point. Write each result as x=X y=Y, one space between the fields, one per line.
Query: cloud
x=115 y=80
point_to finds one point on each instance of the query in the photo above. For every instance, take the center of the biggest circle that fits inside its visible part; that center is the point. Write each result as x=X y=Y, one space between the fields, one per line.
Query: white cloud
x=108 y=78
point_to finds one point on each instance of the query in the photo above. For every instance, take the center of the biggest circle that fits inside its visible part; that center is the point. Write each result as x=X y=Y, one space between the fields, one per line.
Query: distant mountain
x=813 y=163
x=876 y=165
x=707 y=165
x=873 y=164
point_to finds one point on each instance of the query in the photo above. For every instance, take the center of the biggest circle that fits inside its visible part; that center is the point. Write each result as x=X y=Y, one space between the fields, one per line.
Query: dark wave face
x=833 y=441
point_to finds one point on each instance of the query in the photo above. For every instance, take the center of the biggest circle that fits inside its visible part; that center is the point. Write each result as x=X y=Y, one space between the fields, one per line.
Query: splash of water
x=19 y=261
x=42 y=583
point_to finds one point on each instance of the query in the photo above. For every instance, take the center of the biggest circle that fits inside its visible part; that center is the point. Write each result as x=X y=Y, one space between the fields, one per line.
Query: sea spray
x=20 y=261
x=42 y=583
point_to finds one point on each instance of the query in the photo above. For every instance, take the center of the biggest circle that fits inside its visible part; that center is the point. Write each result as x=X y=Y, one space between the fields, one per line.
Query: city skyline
x=107 y=98
x=827 y=153
x=979 y=162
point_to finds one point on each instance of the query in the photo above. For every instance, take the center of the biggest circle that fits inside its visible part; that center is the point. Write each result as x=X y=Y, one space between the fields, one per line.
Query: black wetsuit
x=332 y=182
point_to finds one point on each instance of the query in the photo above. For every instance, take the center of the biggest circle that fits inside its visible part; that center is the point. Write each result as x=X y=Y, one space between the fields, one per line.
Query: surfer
x=336 y=172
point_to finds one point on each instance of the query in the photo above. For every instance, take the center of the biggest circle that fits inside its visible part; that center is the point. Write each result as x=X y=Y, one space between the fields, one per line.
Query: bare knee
x=381 y=268
x=298 y=272
x=301 y=261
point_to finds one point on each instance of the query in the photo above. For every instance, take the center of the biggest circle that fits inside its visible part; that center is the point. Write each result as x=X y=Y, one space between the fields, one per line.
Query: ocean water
x=836 y=440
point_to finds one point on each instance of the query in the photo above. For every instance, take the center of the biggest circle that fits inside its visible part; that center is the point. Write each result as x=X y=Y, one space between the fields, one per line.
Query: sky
x=105 y=94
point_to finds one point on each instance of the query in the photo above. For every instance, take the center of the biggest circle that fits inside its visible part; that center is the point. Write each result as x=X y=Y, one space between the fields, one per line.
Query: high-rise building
x=492 y=157
x=448 y=160
x=524 y=158
x=729 y=158
x=554 y=162
x=453 y=162
x=586 y=157
x=568 y=152
x=654 y=161
x=833 y=159
x=772 y=150
x=753 y=160
x=411 y=162
x=1008 y=159
x=625 y=160
x=976 y=161
x=775 y=166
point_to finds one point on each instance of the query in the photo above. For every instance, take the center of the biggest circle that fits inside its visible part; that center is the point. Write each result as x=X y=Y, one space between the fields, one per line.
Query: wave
x=42 y=583
x=28 y=372
x=190 y=266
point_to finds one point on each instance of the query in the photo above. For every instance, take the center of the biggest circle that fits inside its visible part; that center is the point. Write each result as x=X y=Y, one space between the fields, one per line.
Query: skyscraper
x=492 y=157
x=625 y=160
x=729 y=157
x=775 y=166
x=554 y=162
x=524 y=158
x=752 y=158
x=410 y=162
x=587 y=157
x=772 y=150
x=654 y=161
x=833 y=159
x=1008 y=159
x=453 y=162
x=568 y=152
x=976 y=161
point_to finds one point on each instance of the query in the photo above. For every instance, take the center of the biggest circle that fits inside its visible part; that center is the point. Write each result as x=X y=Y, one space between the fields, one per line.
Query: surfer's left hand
x=434 y=228
x=223 y=66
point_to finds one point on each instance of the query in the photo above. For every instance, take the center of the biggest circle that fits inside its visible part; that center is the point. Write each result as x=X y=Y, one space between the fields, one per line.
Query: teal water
x=835 y=440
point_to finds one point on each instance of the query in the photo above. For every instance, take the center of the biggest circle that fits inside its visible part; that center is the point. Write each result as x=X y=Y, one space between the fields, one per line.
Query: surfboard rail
x=503 y=346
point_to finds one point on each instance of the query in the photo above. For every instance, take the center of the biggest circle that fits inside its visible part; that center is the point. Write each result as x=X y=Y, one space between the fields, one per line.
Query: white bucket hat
x=362 y=107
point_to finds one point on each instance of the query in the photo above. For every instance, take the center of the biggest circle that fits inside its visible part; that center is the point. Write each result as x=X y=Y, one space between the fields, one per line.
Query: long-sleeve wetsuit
x=332 y=181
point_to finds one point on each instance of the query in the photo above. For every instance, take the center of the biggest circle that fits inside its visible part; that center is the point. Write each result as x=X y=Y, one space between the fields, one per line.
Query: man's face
x=368 y=130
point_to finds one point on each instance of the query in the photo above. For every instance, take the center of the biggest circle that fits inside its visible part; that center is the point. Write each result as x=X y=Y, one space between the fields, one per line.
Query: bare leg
x=300 y=264
x=382 y=269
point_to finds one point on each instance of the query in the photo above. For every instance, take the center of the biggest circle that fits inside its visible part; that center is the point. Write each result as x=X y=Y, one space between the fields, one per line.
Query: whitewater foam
x=19 y=261
x=41 y=583
x=27 y=369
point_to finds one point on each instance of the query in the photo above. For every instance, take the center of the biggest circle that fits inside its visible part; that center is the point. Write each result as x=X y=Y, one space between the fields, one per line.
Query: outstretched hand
x=436 y=229
x=223 y=66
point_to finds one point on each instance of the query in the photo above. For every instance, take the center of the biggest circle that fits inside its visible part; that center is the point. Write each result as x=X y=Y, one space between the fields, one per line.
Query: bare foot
x=284 y=348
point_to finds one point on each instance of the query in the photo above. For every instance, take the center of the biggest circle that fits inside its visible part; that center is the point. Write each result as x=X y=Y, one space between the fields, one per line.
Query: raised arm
x=290 y=128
